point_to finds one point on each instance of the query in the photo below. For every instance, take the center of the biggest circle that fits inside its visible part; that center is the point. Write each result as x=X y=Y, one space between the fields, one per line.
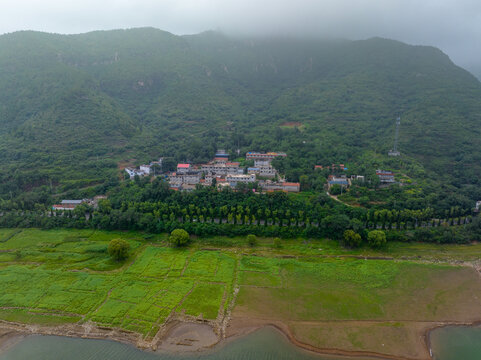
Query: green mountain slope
x=74 y=107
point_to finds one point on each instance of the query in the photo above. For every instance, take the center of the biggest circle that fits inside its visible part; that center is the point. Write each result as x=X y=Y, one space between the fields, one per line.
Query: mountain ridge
x=150 y=93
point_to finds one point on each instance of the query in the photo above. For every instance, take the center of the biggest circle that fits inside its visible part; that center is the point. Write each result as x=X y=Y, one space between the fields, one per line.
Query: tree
x=179 y=237
x=251 y=240
x=118 y=249
x=376 y=239
x=335 y=225
x=352 y=239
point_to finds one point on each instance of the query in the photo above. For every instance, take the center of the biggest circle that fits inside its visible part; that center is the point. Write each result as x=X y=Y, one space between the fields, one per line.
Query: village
x=222 y=173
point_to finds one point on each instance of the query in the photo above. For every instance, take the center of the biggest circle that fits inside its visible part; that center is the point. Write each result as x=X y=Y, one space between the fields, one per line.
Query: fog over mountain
x=452 y=25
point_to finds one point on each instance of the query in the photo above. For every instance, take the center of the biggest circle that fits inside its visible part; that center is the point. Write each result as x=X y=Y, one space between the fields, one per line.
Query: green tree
x=352 y=239
x=118 y=249
x=376 y=239
x=179 y=237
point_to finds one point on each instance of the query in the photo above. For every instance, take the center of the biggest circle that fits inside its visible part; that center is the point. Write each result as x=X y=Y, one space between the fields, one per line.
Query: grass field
x=66 y=276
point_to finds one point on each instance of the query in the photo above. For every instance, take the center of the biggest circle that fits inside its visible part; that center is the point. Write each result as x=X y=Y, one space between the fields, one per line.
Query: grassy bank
x=316 y=287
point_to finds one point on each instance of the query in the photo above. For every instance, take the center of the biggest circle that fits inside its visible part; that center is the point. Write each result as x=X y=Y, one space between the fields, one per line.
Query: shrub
x=179 y=237
x=118 y=249
x=251 y=240
x=277 y=243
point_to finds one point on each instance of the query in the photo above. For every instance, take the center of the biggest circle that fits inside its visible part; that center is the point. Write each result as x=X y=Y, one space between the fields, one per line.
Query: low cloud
x=453 y=26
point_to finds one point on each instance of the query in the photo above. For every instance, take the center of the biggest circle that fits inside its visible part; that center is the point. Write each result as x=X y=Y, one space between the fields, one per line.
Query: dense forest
x=75 y=109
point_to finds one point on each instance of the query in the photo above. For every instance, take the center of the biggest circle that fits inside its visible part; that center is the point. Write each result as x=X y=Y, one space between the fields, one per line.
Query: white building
x=133 y=172
x=145 y=169
x=221 y=168
x=233 y=180
x=258 y=163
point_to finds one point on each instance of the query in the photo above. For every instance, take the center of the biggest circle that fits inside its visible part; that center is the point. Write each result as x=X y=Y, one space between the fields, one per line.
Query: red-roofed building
x=291 y=187
x=183 y=168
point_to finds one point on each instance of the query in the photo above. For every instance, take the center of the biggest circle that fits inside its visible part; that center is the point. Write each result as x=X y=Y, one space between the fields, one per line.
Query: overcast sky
x=452 y=25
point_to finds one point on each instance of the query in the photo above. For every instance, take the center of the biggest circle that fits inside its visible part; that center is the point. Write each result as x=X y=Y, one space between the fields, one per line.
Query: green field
x=66 y=276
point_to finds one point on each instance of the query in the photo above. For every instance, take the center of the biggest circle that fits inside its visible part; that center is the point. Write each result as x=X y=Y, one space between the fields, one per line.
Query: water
x=264 y=344
x=456 y=343
x=450 y=343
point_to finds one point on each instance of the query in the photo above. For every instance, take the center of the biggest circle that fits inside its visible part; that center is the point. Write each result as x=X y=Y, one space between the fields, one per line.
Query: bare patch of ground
x=187 y=337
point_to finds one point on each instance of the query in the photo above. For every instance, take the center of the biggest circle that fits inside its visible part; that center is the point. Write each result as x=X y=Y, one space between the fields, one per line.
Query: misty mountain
x=75 y=107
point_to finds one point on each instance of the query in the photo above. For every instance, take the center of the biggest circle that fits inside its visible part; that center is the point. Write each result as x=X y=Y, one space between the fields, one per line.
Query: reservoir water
x=450 y=343
x=264 y=344
x=456 y=343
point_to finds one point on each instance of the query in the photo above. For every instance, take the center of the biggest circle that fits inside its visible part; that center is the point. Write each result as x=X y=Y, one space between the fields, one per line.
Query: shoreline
x=13 y=333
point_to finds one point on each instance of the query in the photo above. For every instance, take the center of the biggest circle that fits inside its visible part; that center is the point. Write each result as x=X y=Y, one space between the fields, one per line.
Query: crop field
x=66 y=276
x=63 y=276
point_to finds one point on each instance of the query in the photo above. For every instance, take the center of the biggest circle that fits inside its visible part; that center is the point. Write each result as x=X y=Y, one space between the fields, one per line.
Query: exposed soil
x=292 y=124
x=187 y=337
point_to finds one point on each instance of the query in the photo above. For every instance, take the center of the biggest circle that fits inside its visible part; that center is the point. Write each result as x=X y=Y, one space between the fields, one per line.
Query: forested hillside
x=73 y=108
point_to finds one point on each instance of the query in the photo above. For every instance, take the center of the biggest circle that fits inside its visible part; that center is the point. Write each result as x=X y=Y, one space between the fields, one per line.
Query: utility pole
x=395 y=152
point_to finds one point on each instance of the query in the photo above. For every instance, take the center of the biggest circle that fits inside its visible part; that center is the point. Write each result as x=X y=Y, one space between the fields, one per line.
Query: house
x=261 y=163
x=318 y=167
x=221 y=168
x=133 y=172
x=145 y=169
x=264 y=156
x=338 y=167
x=291 y=187
x=271 y=186
x=334 y=180
x=183 y=168
x=221 y=155
x=68 y=204
x=233 y=180
x=386 y=177
x=264 y=171
x=358 y=177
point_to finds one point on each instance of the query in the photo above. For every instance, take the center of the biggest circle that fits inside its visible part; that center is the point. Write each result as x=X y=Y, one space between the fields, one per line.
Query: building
x=221 y=168
x=184 y=178
x=334 y=180
x=386 y=177
x=221 y=154
x=68 y=204
x=183 y=168
x=358 y=177
x=264 y=156
x=291 y=187
x=233 y=180
x=271 y=186
x=133 y=172
x=261 y=163
x=145 y=169
x=264 y=171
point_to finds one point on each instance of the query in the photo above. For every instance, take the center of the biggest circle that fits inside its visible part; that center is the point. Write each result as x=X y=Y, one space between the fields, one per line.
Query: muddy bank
x=187 y=337
x=243 y=326
x=183 y=337
x=9 y=338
